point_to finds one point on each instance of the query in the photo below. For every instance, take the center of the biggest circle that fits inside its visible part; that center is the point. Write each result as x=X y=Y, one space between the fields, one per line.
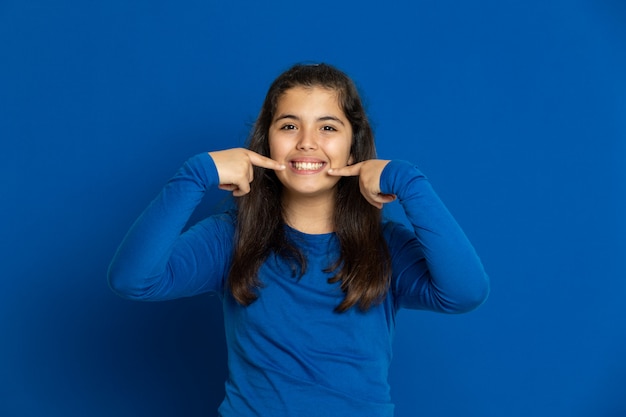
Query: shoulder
x=214 y=234
x=405 y=248
x=209 y=244
x=397 y=235
x=392 y=227
x=221 y=224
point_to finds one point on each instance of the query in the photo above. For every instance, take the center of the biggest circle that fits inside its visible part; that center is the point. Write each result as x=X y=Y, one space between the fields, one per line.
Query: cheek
x=340 y=153
x=274 y=150
x=349 y=152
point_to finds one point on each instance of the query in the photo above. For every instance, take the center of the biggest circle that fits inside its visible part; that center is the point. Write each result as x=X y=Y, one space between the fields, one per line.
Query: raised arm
x=435 y=267
x=155 y=261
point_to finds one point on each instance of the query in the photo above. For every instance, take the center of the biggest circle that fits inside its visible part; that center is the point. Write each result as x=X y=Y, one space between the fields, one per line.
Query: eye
x=288 y=127
x=329 y=128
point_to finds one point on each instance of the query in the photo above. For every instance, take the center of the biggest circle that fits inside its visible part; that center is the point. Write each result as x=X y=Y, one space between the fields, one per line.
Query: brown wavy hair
x=363 y=267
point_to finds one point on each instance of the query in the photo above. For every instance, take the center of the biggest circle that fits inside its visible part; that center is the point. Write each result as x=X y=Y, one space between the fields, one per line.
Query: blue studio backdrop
x=516 y=111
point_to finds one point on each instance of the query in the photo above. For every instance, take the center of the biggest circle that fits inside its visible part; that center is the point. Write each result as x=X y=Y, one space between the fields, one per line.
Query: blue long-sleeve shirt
x=289 y=353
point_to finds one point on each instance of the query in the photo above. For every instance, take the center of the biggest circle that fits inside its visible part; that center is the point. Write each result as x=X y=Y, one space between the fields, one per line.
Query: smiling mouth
x=307 y=166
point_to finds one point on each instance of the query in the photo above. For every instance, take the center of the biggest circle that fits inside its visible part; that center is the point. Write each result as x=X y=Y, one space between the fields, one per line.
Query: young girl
x=309 y=275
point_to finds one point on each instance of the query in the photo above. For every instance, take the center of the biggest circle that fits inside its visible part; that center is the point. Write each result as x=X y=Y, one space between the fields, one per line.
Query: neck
x=309 y=215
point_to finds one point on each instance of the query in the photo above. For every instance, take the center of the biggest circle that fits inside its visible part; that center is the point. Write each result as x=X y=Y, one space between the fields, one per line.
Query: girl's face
x=309 y=134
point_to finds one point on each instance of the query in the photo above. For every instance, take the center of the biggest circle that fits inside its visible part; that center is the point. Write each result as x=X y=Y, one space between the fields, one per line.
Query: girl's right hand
x=235 y=168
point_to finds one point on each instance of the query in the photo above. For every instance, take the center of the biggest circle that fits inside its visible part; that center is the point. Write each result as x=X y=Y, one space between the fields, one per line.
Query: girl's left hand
x=369 y=180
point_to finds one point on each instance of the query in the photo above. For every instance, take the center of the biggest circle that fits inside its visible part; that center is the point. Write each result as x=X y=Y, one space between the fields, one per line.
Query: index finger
x=347 y=171
x=264 y=162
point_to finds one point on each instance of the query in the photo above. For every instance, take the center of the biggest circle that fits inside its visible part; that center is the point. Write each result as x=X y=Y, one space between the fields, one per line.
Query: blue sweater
x=289 y=353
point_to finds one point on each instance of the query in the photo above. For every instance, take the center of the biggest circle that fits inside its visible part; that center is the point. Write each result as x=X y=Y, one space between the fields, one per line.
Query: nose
x=307 y=140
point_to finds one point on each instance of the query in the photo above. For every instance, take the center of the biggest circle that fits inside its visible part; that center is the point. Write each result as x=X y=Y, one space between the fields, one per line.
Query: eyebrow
x=320 y=119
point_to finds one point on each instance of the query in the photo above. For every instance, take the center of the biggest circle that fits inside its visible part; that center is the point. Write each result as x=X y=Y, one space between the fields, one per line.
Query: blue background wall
x=516 y=110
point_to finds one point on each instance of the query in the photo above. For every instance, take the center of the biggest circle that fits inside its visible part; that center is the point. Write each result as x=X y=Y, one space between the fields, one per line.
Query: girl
x=309 y=275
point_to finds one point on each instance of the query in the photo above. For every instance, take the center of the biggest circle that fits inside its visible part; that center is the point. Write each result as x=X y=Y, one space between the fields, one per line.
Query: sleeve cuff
x=202 y=170
x=397 y=174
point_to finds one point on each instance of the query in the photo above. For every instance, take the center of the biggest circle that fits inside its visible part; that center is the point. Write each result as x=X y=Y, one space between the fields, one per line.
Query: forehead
x=309 y=99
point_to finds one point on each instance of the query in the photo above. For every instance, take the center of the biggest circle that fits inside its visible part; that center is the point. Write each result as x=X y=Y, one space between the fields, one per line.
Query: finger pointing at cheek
x=347 y=171
x=369 y=173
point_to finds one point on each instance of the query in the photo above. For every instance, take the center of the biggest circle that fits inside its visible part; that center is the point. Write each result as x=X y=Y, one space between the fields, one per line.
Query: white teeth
x=307 y=166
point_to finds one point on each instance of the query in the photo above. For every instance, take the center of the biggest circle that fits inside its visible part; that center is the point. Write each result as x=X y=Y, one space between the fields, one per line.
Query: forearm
x=455 y=280
x=139 y=264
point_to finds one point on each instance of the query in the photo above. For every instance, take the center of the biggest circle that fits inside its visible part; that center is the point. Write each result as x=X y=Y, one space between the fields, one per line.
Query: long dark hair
x=363 y=268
